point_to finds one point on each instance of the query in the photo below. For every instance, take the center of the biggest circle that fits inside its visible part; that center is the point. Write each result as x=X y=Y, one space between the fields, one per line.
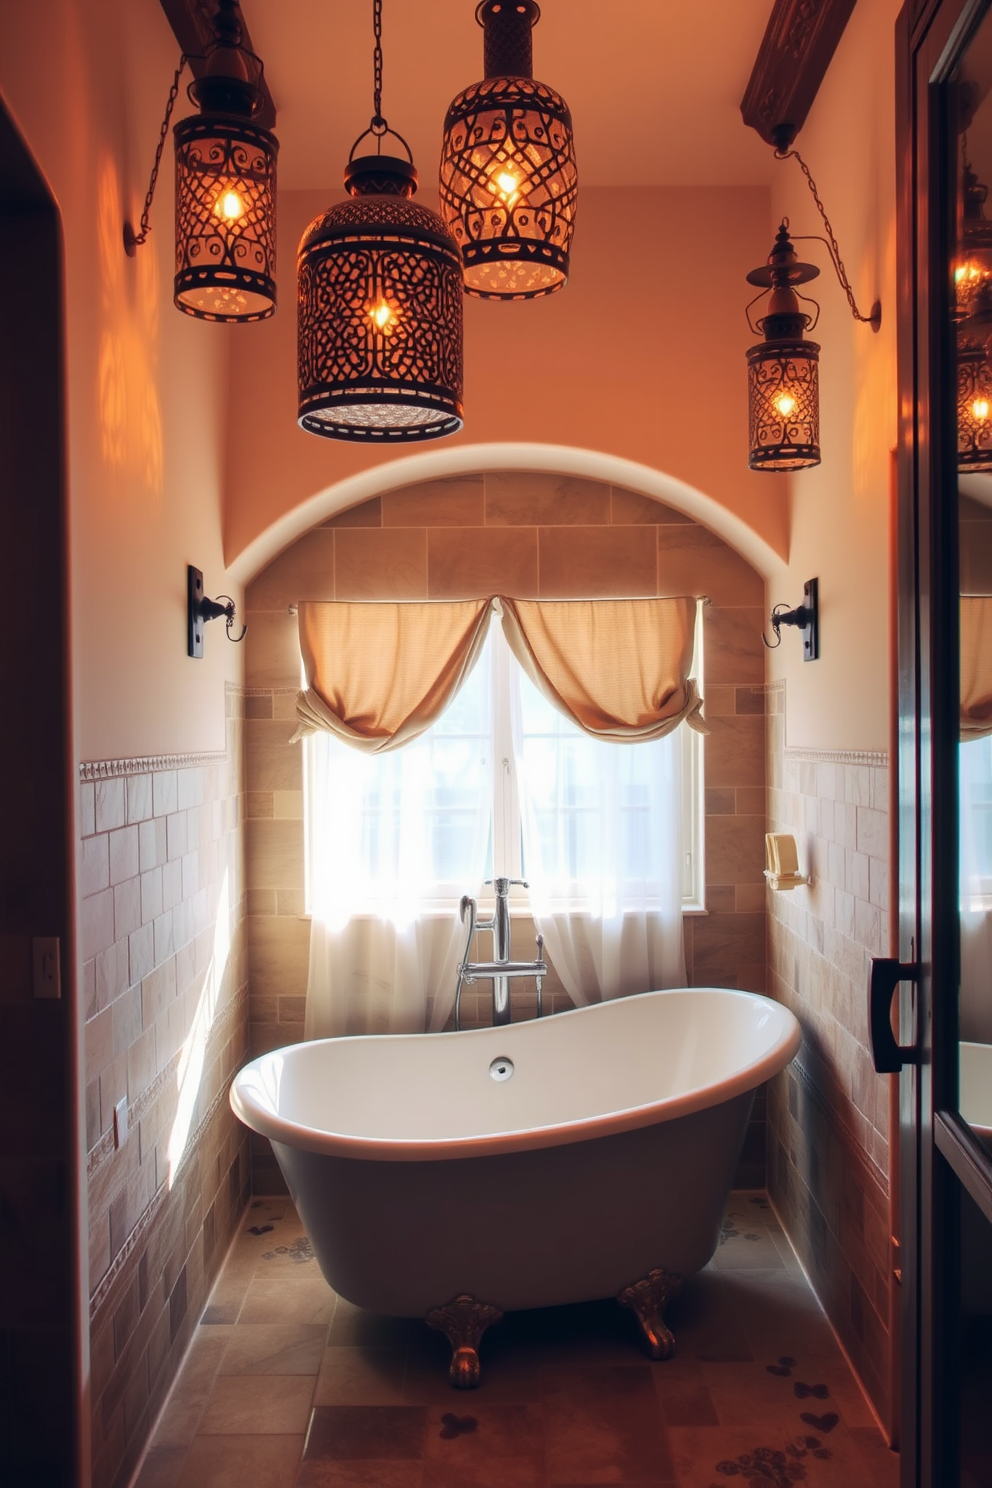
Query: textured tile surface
x=757 y=1390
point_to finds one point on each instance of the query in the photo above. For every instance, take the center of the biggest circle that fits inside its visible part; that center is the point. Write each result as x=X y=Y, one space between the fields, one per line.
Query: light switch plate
x=45 y=955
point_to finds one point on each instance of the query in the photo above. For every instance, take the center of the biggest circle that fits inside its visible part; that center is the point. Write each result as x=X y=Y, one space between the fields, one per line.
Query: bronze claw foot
x=463 y=1321
x=647 y=1299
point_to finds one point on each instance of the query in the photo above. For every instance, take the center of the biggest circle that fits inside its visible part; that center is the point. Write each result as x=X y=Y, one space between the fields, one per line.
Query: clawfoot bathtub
x=456 y=1176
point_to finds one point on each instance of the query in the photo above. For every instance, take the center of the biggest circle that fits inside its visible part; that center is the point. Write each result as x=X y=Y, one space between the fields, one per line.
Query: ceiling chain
x=378 y=122
x=832 y=244
x=144 y=227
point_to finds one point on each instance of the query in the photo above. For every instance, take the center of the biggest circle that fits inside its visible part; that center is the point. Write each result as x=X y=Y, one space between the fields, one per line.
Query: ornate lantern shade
x=226 y=188
x=973 y=266
x=783 y=370
x=508 y=183
x=783 y=405
x=380 y=313
x=974 y=402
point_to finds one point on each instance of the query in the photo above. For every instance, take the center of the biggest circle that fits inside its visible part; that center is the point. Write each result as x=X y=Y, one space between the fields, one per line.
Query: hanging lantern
x=974 y=406
x=226 y=187
x=782 y=372
x=380 y=304
x=508 y=182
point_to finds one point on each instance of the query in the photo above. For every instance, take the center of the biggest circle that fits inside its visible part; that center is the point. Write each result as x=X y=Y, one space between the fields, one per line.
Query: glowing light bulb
x=230 y=206
x=785 y=403
x=382 y=316
x=980 y=409
x=504 y=184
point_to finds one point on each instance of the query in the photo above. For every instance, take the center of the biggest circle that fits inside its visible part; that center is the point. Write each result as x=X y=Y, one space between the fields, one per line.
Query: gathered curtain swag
x=976 y=666
x=379 y=674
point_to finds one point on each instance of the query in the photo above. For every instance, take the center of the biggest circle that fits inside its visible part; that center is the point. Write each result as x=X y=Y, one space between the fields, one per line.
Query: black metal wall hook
x=806 y=616
x=200 y=609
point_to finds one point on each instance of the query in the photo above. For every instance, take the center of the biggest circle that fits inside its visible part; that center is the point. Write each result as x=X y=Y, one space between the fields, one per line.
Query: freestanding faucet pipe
x=501 y=969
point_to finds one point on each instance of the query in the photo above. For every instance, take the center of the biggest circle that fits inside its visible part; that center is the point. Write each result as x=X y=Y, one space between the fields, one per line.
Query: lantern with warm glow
x=508 y=181
x=380 y=305
x=226 y=187
x=782 y=376
x=974 y=402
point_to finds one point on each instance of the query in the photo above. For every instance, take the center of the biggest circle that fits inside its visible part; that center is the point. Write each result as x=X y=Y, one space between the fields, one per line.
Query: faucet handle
x=508 y=882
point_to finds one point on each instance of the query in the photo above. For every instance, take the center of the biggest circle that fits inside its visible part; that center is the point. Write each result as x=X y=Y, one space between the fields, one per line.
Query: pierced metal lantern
x=783 y=370
x=508 y=183
x=380 y=313
x=974 y=401
x=226 y=188
x=973 y=267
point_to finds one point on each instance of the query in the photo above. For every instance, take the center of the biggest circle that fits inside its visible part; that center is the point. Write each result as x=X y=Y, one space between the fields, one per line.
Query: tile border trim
x=112 y=769
x=879 y=758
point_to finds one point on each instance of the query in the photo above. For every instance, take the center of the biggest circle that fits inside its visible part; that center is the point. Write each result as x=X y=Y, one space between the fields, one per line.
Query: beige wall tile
x=693 y=560
x=516 y=499
x=443 y=503
x=272 y=651
x=630 y=507
x=596 y=562
x=303 y=571
x=365 y=514
x=471 y=562
x=732 y=645
x=272 y=762
x=734 y=751
x=380 y=564
x=735 y=849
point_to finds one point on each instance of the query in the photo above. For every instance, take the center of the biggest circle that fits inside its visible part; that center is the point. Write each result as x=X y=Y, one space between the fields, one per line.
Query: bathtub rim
x=260 y=1118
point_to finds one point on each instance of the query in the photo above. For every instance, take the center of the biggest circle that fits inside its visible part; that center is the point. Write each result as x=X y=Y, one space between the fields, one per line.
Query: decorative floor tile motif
x=288 y=1386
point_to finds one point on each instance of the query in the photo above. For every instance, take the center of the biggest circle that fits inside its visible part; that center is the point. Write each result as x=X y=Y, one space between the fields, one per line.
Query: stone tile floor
x=288 y=1386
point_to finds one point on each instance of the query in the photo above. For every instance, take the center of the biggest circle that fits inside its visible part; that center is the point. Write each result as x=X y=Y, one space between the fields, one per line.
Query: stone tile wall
x=165 y=994
x=828 y=1148
x=524 y=535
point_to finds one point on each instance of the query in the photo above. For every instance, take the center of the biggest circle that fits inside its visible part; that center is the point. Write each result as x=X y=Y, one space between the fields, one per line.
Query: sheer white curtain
x=394 y=840
x=602 y=849
x=975 y=888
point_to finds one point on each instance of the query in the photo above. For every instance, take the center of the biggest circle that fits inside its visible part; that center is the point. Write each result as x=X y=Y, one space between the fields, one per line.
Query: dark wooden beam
x=192 y=23
x=799 y=41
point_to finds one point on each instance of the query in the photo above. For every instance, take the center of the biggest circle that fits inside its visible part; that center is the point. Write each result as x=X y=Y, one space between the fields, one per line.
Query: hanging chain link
x=378 y=122
x=838 y=262
x=143 y=227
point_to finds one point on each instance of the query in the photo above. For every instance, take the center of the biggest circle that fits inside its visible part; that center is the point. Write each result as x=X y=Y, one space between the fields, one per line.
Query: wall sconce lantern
x=225 y=186
x=782 y=370
x=380 y=303
x=973 y=315
x=783 y=376
x=508 y=179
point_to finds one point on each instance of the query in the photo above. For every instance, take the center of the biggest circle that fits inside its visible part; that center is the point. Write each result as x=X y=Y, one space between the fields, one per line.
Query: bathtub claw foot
x=647 y=1299
x=463 y=1321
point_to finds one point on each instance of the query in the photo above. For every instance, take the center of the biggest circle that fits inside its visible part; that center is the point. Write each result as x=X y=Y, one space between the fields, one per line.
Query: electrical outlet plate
x=194 y=620
x=811 y=630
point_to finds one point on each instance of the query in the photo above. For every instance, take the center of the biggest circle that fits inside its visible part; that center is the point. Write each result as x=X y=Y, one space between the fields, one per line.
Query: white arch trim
x=474 y=459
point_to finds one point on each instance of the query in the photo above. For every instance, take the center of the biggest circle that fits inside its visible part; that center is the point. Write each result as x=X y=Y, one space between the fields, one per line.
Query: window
x=418 y=822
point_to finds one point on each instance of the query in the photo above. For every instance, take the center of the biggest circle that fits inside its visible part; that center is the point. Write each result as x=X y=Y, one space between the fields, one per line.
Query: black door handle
x=887 y=1056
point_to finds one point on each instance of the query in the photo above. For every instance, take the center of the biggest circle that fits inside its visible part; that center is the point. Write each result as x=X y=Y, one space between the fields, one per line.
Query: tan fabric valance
x=378 y=675
x=617 y=667
x=976 y=666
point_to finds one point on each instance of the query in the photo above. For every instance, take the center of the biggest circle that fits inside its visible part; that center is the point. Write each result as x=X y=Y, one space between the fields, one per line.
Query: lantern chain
x=832 y=244
x=378 y=122
x=143 y=227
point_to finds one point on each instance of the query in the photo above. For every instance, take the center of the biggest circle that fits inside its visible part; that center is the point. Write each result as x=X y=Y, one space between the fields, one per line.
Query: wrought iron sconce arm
x=134 y=240
x=874 y=316
x=200 y=609
x=806 y=617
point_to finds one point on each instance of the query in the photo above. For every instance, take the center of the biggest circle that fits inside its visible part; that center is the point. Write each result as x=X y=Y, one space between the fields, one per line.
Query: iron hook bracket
x=200 y=609
x=806 y=617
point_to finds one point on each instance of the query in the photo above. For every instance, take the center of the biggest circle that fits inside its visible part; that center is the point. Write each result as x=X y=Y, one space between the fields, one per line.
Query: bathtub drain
x=501 y=1069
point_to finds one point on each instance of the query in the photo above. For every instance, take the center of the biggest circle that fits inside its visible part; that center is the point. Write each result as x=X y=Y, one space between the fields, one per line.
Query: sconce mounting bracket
x=200 y=609
x=806 y=617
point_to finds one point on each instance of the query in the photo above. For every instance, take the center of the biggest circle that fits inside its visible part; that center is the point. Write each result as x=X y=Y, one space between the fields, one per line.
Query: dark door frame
x=938 y=1152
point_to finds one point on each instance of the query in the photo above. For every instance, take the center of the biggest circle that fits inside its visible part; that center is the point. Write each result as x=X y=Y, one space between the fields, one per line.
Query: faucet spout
x=501 y=969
